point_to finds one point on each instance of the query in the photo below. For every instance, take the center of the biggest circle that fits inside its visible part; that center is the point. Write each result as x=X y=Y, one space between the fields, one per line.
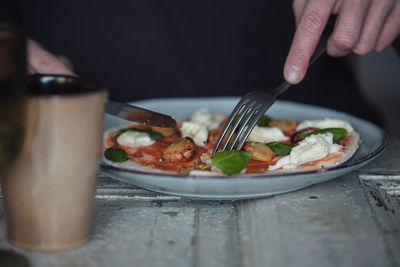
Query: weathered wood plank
x=152 y=233
x=383 y=195
x=328 y=224
x=108 y=189
x=117 y=240
x=217 y=239
x=380 y=181
x=260 y=233
x=171 y=237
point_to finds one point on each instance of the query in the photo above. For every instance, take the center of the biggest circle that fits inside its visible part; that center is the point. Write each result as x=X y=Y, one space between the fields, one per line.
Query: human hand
x=361 y=27
x=42 y=61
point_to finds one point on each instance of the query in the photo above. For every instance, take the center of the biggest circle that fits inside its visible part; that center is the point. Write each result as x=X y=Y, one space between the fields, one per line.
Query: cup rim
x=57 y=84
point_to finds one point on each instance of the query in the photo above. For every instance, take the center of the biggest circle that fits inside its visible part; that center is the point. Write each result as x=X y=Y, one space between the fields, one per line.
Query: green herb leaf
x=116 y=154
x=338 y=133
x=153 y=134
x=263 y=121
x=230 y=162
x=280 y=149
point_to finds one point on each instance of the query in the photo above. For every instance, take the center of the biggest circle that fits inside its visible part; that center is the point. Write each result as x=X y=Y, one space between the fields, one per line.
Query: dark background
x=145 y=49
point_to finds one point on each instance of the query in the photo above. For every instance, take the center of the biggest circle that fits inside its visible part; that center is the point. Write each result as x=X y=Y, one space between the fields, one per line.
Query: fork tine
x=251 y=111
x=241 y=121
x=232 y=129
x=250 y=127
x=228 y=123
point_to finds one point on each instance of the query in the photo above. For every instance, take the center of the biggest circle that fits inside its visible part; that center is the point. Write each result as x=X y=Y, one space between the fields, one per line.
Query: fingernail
x=379 y=48
x=361 y=49
x=293 y=74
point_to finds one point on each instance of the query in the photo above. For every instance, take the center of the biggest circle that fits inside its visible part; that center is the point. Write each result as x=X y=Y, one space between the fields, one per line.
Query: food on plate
x=229 y=162
x=274 y=145
x=286 y=126
x=165 y=131
x=259 y=151
x=181 y=150
x=298 y=136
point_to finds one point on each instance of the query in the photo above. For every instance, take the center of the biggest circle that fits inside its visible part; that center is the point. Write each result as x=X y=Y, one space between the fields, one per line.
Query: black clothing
x=145 y=49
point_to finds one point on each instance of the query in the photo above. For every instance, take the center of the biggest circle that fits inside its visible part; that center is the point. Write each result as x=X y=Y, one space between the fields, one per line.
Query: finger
x=374 y=20
x=336 y=7
x=348 y=27
x=29 y=70
x=298 y=8
x=66 y=62
x=390 y=30
x=41 y=61
x=308 y=32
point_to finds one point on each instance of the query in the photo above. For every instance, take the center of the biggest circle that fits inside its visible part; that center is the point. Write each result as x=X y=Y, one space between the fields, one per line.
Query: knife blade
x=139 y=115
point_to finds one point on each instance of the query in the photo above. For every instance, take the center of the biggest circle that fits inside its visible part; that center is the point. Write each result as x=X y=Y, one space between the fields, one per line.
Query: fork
x=254 y=104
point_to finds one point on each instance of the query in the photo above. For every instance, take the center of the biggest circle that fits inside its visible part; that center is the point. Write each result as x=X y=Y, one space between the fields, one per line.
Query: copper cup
x=49 y=190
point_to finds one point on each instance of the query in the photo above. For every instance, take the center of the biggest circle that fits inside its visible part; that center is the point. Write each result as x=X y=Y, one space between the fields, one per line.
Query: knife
x=139 y=115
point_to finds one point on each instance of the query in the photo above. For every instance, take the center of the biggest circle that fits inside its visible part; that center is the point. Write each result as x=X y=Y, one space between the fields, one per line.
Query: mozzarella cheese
x=204 y=116
x=134 y=139
x=198 y=132
x=326 y=123
x=266 y=135
x=311 y=148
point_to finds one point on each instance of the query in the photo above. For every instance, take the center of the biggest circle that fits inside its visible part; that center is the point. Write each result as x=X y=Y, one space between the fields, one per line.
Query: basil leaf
x=153 y=134
x=280 y=149
x=230 y=162
x=338 y=133
x=116 y=154
x=263 y=121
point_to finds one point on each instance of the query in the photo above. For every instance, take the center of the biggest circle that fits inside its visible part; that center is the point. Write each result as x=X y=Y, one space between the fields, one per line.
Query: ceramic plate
x=373 y=142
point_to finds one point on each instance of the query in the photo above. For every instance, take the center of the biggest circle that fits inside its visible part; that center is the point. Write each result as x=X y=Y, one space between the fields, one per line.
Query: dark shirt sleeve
x=8 y=11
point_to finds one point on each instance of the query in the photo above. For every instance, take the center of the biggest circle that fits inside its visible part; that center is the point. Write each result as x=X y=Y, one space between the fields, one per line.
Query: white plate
x=373 y=142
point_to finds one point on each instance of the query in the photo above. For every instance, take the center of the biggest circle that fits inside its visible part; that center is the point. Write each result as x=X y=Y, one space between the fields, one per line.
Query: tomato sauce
x=152 y=156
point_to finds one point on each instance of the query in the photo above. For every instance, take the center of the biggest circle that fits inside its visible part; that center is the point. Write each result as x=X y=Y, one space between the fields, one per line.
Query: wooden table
x=349 y=221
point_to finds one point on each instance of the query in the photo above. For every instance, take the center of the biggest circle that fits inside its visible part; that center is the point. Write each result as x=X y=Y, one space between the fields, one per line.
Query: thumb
x=42 y=61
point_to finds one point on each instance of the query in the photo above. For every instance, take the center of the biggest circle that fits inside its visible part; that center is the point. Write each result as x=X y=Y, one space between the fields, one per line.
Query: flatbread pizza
x=274 y=145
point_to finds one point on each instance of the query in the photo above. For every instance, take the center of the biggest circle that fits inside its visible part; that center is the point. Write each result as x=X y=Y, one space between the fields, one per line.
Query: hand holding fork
x=254 y=104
